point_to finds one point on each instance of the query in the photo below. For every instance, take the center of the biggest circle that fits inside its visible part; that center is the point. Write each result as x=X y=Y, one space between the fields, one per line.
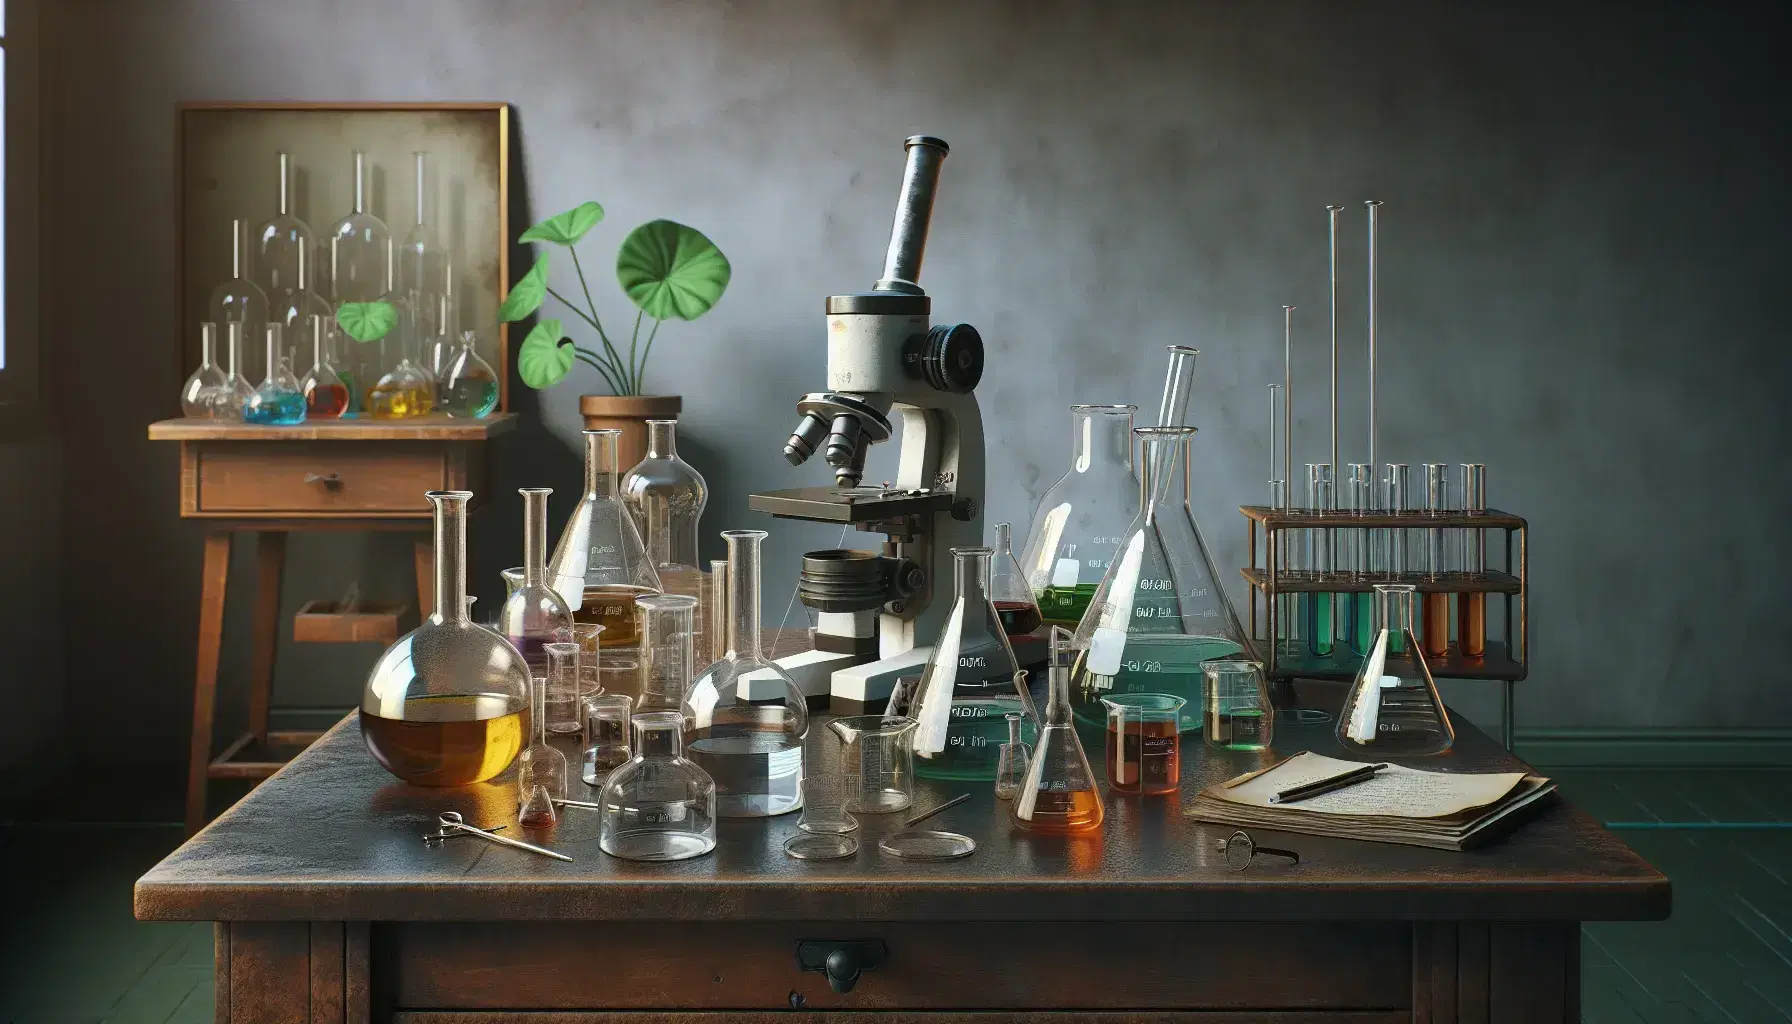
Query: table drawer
x=347 y=479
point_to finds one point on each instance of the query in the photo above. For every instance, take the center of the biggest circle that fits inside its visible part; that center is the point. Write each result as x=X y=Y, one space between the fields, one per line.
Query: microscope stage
x=850 y=504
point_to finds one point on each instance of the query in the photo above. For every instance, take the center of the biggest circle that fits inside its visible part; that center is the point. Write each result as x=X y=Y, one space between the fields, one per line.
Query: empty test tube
x=1397 y=497
x=1434 y=608
x=1471 y=608
x=1359 y=607
x=1319 y=620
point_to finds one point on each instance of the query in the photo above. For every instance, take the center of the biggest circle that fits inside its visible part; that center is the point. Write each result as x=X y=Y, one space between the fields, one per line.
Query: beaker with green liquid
x=1083 y=517
x=1160 y=611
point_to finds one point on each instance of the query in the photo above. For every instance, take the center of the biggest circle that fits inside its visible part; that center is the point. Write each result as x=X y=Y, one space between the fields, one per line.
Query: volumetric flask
x=1393 y=708
x=1059 y=795
x=971 y=680
x=1008 y=587
x=658 y=806
x=606 y=739
x=1083 y=517
x=1144 y=742
x=877 y=758
x=1239 y=714
x=1160 y=611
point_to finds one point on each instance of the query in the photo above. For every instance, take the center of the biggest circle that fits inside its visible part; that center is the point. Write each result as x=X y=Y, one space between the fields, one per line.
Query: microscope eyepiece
x=804 y=439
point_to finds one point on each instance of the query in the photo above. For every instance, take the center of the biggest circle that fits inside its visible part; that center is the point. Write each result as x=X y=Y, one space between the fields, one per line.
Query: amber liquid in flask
x=613 y=607
x=448 y=740
x=1144 y=756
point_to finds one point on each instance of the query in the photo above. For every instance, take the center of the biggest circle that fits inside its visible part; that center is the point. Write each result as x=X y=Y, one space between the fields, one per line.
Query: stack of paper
x=1443 y=810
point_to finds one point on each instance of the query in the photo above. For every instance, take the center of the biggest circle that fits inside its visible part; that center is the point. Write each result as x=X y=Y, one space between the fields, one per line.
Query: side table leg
x=215 y=578
x=270 y=564
x=425 y=555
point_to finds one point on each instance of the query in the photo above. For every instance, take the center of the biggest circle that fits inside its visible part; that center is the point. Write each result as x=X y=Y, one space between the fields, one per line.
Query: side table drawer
x=316 y=479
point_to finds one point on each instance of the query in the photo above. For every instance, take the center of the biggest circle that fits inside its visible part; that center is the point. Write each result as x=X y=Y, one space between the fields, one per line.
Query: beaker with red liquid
x=1143 y=752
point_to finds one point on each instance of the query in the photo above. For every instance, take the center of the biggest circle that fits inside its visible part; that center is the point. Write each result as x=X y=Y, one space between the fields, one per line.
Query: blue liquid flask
x=279 y=401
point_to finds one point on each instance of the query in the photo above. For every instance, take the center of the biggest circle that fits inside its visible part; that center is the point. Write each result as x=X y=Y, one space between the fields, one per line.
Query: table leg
x=1501 y=973
x=214 y=577
x=424 y=553
x=270 y=563
x=314 y=972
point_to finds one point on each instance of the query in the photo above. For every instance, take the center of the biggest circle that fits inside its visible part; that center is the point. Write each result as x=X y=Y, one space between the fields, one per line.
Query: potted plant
x=668 y=270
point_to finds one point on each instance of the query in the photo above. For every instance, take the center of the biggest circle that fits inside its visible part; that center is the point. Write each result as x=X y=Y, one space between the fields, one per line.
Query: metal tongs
x=452 y=825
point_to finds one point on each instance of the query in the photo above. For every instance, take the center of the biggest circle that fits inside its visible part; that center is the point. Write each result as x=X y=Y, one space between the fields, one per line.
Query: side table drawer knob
x=842 y=960
x=331 y=481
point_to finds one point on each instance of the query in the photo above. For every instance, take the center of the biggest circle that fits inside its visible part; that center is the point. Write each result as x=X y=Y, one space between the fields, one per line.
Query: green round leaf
x=525 y=297
x=545 y=357
x=367 y=321
x=671 y=271
x=565 y=228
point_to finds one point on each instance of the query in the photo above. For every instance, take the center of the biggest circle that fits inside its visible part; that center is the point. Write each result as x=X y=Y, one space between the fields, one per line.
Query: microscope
x=884 y=355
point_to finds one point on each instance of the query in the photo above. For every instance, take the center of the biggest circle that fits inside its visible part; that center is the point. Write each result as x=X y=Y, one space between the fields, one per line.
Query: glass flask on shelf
x=360 y=254
x=540 y=769
x=666 y=497
x=1393 y=708
x=600 y=567
x=230 y=398
x=1083 y=516
x=326 y=396
x=447 y=704
x=423 y=265
x=1011 y=764
x=1008 y=587
x=468 y=387
x=198 y=393
x=278 y=402
x=744 y=717
x=240 y=300
x=658 y=806
x=534 y=614
x=1160 y=611
x=970 y=682
x=668 y=624
x=284 y=244
x=1059 y=794
x=404 y=391
x=293 y=308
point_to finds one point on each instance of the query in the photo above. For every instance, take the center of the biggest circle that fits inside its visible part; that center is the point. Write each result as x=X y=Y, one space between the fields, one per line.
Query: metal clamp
x=331 y=481
x=842 y=960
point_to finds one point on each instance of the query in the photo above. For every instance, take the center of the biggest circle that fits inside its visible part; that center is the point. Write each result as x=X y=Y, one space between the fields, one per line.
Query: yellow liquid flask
x=1393 y=708
x=1058 y=795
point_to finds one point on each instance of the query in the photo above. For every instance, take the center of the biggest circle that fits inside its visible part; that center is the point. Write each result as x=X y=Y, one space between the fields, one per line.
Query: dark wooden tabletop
x=333 y=837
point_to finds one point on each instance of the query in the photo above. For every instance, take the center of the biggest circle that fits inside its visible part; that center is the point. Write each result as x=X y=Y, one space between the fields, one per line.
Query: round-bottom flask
x=658 y=806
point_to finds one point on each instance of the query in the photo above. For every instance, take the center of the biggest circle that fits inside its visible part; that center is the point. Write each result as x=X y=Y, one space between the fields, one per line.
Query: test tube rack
x=1506 y=656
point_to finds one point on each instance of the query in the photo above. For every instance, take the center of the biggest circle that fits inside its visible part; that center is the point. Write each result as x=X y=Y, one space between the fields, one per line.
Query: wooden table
x=353 y=474
x=329 y=908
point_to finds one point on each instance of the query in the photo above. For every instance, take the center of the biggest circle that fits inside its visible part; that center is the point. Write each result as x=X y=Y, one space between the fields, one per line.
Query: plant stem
x=579 y=268
x=615 y=360
x=647 y=349
x=586 y=356
x=634 y=337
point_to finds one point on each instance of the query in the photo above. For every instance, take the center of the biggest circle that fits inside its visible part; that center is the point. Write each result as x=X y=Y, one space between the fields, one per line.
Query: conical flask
x=1008 y=587
x=1393 y=708
x=1059 y=794
x=600 y=567
x=970 y=684
x=1083 y=516
x=1160 y=610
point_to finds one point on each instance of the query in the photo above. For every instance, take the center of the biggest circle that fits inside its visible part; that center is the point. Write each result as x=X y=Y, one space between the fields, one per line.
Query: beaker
x=600 y=567
x=824 y=805
x=196 y=395
x=666 y=497
x=1011 y=764
x=1160 y=611
x=658 y=806
x=588 y=636
x=541 y=770
x=562 y=698
x=1008 y=588
x=278 y=402
x=877 y=758
x=745 y=719
x=1144 y=742
x=666 y=650
x=1238 y=710
x=534 y=614
x=1393 y=708
x=445 y=705
x=970 y=681
x=606 y=737
x=1083 y=517
x=1059 y=795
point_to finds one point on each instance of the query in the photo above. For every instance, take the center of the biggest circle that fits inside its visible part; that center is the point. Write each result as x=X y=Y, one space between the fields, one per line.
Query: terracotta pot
x=629 y=414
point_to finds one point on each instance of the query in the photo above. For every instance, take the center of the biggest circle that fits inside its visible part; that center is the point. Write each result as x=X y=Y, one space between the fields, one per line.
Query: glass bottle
x=1059 y=795
x=1011 y=765
x=292 y=308
x=541 y=770
x=445 y=704
x=468 y=387
x=278 y=402
x=1393 y=708
x=240 y=300
x=1008 y=587
x=970 y=682
x=229 y=400
x=744 y=717
x=1083 y=516
x=361 y=271
x=423 y=266
x=284 y=243
x=534 y=613
x=666 y=497
x=600 y=567
x=326 y=396
x=668 y=654
x=1160 y=611
x=197 y=395
x=658 y=806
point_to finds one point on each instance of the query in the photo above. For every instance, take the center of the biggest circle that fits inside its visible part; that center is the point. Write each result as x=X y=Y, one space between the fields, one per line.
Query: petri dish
x=821 y=846
x=922 y=844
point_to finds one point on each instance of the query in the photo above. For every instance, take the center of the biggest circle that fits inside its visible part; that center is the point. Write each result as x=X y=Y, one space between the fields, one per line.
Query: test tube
x=1397 y=499
x=1320 y=628
x=1275 y=462
x=1434 y=607
x=1471 y=608
x=1359 y=607
x=716 y=622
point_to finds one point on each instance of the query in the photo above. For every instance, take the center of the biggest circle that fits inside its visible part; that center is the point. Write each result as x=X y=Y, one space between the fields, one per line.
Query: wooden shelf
x=1291 y=519
x=1292 y=663
x=1299 y=581
x=423 y=428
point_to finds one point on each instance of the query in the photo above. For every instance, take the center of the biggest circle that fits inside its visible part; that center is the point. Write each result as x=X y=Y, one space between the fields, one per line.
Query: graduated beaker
x=877 y=757
x=1144 y=753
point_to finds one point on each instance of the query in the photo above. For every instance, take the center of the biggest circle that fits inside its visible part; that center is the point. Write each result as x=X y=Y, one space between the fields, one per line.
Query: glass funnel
x=540 y=770
x=240 y=300
x=1008 y=587
x=971 y=681
x=1160 y=611
x=658 y=806
x=600 y=567
x=284 y=244
x=197 y=395
x=1059 y=794
x=326 y=396
x=229 y=400
x=744 y=717
x=1083 y=516
x=467 y=387
x=666 y=497
x=278 y=402
x=534 y=614
x=668 y=655
x=446 y=704
x=1393 y=708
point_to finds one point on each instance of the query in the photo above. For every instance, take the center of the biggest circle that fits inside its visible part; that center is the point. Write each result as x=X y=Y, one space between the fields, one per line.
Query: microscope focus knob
x=948 y=358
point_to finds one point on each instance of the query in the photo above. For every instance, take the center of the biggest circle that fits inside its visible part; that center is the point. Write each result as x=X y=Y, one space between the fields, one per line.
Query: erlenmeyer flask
x=1059 y=794
x=1393 y=708
x=1083 y=516
x=600 y=566
x=197 y=394
x=230 y=398
x=1008 y=588
x=278 y=402
x=468 y=386
x=326 y=396
x=534 y=614
x=744 y=718
x=666 y=497
x=971 y=682
x=240 y=300
x=1160 y=611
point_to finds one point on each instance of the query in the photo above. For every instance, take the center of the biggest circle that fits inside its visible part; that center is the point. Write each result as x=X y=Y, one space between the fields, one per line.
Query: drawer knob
x=331 y=481
x=842 y=960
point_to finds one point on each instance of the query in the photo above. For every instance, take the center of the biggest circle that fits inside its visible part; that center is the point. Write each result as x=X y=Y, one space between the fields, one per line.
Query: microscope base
x=814 y=671
x=864 y=689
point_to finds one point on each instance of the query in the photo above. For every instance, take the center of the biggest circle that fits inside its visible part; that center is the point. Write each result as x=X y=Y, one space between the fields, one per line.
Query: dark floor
x=74 y=955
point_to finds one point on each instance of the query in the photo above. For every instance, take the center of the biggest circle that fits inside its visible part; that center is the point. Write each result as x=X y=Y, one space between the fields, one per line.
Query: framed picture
x=434 y=175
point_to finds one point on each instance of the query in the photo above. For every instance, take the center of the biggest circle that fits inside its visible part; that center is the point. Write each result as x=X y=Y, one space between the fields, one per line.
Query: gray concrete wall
x=1583 y=245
